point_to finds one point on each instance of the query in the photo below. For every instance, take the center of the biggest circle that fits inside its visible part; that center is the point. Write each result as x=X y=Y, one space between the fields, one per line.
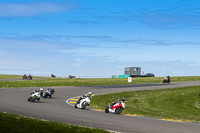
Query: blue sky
x=99 y=38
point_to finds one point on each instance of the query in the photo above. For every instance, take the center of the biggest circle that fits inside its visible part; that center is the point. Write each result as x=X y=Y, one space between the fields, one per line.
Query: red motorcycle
x=116 y=107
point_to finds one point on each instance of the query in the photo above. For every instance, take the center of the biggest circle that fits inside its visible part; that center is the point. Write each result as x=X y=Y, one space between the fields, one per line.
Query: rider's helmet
x=123 y=99
x=90 y=93
x=41 y=89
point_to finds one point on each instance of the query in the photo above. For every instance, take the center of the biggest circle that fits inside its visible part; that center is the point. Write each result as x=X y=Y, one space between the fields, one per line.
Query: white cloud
x=30 y=9
x=25 y=44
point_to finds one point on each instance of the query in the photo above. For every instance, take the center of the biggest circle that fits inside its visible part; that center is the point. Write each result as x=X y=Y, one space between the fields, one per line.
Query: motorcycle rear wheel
x=107 y=110
x=75 y=106
x=45 y=95
x=29 y=99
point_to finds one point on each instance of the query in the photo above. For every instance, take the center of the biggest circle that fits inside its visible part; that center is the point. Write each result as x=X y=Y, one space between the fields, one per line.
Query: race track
x=14 y=100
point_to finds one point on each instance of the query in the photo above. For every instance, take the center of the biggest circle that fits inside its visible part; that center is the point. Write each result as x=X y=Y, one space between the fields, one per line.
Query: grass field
x=10 y=76
x=3 y=76
x=46 y=82
x=16 y=124
x=178 y=103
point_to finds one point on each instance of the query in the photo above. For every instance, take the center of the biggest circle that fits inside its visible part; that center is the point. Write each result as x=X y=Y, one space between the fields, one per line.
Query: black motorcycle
x=167 y=79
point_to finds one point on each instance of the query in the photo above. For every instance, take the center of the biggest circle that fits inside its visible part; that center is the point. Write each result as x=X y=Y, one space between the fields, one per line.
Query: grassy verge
x=3 y=76
x=88 y=82
x=16 y=124
x=178 y=103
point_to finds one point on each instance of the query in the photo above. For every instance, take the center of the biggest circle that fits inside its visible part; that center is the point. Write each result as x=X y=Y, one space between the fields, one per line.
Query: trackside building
x=129 y=72
x=136 y=71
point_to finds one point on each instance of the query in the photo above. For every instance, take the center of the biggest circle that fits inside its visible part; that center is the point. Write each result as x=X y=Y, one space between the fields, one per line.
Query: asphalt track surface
x=14 y=100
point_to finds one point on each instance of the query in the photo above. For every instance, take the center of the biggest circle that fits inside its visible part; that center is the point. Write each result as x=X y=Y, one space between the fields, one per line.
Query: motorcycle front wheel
x=33 y=99
x=118 y=110
x=83 y=105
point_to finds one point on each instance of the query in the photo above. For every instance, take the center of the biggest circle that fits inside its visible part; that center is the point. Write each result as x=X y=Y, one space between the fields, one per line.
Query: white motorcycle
x=83 y=102
x=35 y=95
x=116 y=107
x=48 y=92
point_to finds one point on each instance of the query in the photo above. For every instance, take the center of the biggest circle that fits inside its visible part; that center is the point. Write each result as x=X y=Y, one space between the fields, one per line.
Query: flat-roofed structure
x=132 y=71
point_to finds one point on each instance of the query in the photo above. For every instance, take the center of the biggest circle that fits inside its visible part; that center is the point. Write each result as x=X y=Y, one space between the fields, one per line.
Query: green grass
x=46 y=82
x=177 y=103
x=16 y=124
x=3 y=76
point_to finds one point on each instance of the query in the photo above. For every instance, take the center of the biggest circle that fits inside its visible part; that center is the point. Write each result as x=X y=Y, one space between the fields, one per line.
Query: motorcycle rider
x=52 y=90
x=123 y=99
x=41 y=92
x=29 y=77
x=168 y=78
x=49 y=90
x=24 y=76
x=86 y=95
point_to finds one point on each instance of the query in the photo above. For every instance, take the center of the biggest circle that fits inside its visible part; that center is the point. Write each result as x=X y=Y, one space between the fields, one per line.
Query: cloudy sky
x=99 y=37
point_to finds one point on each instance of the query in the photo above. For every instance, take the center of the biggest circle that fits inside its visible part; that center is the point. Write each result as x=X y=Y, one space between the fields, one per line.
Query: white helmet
x=90 y=93
x=41 y=89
